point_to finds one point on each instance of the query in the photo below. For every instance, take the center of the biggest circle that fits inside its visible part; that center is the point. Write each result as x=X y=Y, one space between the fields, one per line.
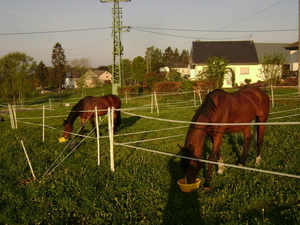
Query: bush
x=167 y=86
x=134 y=90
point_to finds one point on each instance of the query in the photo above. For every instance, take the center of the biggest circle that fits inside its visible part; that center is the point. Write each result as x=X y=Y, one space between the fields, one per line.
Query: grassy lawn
x=143 y=188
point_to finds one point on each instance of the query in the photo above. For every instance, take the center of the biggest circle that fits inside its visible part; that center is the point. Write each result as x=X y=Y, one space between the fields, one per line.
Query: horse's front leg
x=92 y=121
x=82 y=126
x=247 y=141
x=221 y=166
x=212 y=157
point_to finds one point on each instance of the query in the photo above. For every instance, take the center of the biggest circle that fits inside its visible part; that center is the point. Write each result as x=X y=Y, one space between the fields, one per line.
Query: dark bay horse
x=89 y=103
x=219 y=106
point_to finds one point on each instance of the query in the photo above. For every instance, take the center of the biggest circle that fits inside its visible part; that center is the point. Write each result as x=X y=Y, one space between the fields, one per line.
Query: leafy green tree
x=174 y=76
x=41 y=74
x=126 y=71
x=17 y=76
x=271 y=67
x=214 y=71
x=138 y=70
x=154 y=59
x=151 y=78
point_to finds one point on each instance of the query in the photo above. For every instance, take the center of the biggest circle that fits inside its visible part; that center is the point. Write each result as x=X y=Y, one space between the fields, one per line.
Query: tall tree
x=168 y=55
x=41 y=74
x=126 y=71
x=185 y=57
x=17 y=76
x=271 y=67
x=176 y=58
x=59 y=61
x=138 y=70
x=154 y=59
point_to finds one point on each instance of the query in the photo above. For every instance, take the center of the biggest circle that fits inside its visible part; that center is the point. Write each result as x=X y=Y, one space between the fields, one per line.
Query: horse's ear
x=181 y=148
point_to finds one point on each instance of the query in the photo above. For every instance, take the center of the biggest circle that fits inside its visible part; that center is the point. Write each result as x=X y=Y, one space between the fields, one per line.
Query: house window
x=244 y=71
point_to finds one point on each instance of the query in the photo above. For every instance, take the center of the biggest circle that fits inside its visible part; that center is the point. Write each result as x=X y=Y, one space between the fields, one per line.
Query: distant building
x=97 y=77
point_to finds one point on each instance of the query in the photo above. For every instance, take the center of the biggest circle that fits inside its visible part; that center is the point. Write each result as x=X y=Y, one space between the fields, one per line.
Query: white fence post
x=43 y=132
x=110 y=119
x=97 y=131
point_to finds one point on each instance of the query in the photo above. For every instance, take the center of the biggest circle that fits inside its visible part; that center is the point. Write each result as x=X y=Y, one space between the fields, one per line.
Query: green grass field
x=143 y=188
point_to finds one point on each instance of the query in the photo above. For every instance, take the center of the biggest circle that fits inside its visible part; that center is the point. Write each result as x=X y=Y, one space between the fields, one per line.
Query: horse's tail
x=119 y=116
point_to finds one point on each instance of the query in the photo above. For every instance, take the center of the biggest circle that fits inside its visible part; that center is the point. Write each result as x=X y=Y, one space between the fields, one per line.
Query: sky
x=83 y=27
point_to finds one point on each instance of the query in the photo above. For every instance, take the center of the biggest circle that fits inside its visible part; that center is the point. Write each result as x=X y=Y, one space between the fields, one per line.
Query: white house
x=294 y=55
x=242 y=56
x=70 y=82
x=97 y=77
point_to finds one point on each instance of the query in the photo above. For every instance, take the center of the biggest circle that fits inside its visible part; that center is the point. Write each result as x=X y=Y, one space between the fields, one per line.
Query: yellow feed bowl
x=62 y=139
x=188 y=187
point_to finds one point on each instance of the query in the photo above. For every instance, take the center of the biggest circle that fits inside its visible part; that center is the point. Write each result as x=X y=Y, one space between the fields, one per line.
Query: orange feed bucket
x=188 y=187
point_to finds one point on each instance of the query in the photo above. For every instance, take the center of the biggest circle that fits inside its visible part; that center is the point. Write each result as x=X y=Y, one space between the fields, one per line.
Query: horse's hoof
x=207 y=188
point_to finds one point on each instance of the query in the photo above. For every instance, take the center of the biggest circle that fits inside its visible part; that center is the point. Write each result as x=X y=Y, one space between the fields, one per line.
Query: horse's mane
x=75 y=112
x=207 y=108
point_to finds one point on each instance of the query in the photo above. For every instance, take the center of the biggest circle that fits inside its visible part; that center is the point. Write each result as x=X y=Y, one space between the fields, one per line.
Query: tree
x=138 y=70
x=17 y=76
x=78 y=69
x=154 y=59
x=214 y=71
x=41 y=74
x=59 y=62
x=168 y=54
x=185 y=57
x=79 y=66
x=126 y=71
x=271 y=67
x=153 y=77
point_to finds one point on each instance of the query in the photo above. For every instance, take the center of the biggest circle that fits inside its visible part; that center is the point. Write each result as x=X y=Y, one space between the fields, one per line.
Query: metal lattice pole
x=117 y=28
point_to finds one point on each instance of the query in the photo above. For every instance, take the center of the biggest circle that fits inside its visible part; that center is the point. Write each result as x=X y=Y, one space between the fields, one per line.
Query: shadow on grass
x=181 y=208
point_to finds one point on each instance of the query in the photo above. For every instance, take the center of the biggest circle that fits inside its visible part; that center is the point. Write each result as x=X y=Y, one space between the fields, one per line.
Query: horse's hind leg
x=247 y=141
x=259 y=142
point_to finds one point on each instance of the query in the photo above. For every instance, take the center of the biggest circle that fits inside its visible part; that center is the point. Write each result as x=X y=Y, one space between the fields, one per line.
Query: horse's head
x=190 y=167
x=68 y=127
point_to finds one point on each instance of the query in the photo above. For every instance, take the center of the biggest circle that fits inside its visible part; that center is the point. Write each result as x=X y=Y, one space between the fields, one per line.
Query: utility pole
x=117 y=28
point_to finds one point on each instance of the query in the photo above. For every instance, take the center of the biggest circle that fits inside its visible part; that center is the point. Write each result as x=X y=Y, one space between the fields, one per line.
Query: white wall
x=250 y=72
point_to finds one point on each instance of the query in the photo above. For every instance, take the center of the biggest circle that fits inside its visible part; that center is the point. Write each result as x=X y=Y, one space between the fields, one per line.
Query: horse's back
x=240 y=106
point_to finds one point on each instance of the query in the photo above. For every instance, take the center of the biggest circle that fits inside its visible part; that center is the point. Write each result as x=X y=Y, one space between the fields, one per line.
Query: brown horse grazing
x=219 y=106
x=89 y=103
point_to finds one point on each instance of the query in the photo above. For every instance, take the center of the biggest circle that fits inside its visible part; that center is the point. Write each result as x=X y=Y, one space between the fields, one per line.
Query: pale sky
x=83 y=27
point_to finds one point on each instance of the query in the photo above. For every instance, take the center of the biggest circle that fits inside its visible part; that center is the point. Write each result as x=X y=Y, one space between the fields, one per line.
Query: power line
x=54 y=31
x=183 y=36
x=217 y=31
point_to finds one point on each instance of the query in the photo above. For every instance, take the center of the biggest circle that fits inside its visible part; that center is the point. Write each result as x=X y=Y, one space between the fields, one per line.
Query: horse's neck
x=196 y=137
x=72 y=117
